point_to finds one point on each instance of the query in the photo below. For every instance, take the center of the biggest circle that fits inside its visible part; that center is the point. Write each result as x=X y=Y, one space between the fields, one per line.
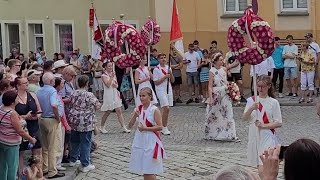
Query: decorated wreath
x=150 y=33
x=258 y=31
x=116 y=36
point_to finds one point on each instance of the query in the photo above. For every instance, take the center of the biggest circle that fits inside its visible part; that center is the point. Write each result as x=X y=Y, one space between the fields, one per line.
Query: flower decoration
x=150 y=33
x=234 y=92
x=117 y=35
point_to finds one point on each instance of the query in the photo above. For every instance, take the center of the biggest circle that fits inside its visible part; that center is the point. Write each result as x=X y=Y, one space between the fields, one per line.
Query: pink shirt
x=8 y=134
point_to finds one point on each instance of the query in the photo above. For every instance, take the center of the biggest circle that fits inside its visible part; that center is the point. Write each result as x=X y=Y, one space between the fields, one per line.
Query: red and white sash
x=163 y=70
x=159 y=152
x=265 y=118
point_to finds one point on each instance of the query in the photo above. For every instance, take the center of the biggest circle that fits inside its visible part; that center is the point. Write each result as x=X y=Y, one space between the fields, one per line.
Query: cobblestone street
x=189 y=155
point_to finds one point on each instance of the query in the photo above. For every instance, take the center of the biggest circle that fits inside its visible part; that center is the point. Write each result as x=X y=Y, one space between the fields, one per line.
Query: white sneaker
x=280 y=95
x=60 y=168
x=88 y=168
x=72 y=164
x=125 y=130
x=78 y=162
x=103 y=130
x=165 y=131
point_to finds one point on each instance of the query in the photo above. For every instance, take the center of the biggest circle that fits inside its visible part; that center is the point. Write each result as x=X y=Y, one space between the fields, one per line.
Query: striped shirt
x=8 y=135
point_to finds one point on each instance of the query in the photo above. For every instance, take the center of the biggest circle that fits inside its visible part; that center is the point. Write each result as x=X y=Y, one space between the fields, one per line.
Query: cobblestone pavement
x=189 y=155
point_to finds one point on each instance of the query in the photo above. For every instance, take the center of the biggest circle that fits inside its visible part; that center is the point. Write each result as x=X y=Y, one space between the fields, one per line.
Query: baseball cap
x=308 y=35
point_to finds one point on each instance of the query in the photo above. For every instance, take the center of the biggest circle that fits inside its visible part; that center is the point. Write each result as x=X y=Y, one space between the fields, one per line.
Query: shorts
x=177 y=81
x=290 y=72
x=34 y=131
x=98 y=84
x=235 y=77
x=165 y=99
x=193 y=78
x=204 y=75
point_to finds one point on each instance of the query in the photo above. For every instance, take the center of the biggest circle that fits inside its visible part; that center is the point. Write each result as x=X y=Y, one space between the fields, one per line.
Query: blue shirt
x=277 y=57
x=48 y=97
x=200 y=53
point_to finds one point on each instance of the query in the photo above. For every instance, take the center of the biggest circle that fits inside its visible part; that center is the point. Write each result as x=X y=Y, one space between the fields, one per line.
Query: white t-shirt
x=264 y=67
x=236 y=69
x=314 y=49
x=291 y=50
x=194 y=58
x=158 y=73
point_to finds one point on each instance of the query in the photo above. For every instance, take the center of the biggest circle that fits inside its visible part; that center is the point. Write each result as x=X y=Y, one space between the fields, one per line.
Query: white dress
x=111 y=96
x=164 y=94
x=260 y=140
x=143 y=74
x=147 y=149
x=219 y=123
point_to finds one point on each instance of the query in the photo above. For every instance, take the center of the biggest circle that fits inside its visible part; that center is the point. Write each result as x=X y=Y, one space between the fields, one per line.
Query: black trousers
x=278 y=73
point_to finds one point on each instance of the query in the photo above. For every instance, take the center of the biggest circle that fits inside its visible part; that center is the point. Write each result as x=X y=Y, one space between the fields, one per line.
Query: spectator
x=50 y=126
x=28 y=108
x=307 y=73
x=37 y=67
x=301 y=161
x=65 y=128
x=55 y=57
x=15 y=66
x=76 y=63
x=23 y=69
x=279 y=69
x=34 y=79
x=154 y=62
x=192 y=59
x=47 y=67
x=234 y=73
x=235 y=173
x=86 y=69
x=5 y=85
x=97 y=71
x=21 y=57
x=82 y=122
x=176 y=65
x=43 y=56
x=14 y=53
x=11 y=131
x=32 y=58
x=39 y=56
x=290 y=51
x=197 y=48
x=79 y=55
x=204 y=74
x=58 y=67
x=214 y=48
x=61 y=56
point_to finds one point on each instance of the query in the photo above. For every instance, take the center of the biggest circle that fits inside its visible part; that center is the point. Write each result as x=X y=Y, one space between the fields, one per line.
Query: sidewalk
x=285 y=101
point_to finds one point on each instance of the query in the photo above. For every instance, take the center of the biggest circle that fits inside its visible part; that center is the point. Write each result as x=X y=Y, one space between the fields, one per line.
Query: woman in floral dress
x=219 y=124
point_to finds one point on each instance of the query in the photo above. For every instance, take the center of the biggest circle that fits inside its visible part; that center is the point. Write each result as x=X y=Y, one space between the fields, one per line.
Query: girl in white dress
x=142 y=78
x=111 y=97
x=263 y=123
x=161 y=74
x=147 y=149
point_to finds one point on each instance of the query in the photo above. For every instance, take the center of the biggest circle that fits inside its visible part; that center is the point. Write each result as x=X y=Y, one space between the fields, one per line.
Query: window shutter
x=230 y=5
x=302 y=4
x=287 y=4
x=243 y=5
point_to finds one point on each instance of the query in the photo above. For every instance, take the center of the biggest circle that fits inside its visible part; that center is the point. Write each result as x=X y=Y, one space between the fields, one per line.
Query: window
x=13 y=36
x=64 y=39
x=235 y=6
x=35 y=36
x=294 y=5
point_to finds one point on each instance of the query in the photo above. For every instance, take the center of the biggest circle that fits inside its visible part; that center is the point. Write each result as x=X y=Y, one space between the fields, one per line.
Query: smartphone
x=189 y=61
x=282 y=151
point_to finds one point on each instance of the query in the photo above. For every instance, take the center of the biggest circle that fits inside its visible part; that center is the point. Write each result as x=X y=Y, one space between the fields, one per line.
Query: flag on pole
x=176 y=34
x=97 y=42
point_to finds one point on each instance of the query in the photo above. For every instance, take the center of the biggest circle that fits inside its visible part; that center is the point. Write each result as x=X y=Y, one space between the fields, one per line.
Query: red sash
x=162 y=70
x=159 y=146
x=265 y=118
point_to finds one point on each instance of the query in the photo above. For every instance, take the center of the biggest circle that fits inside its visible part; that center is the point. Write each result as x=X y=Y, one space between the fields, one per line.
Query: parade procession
x=201 y=89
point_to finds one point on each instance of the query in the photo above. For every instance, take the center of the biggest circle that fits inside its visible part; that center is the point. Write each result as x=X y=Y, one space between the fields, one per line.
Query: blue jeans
x=9 y=161
x=80 y=146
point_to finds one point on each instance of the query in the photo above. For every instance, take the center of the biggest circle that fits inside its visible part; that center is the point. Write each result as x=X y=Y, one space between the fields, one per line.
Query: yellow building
x=61 y=25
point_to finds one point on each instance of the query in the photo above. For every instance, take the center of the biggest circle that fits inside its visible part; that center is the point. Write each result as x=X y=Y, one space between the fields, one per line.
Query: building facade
x=62 y=25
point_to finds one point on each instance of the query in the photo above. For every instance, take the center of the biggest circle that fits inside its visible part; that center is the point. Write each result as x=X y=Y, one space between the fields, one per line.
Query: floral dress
x=219 y=123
